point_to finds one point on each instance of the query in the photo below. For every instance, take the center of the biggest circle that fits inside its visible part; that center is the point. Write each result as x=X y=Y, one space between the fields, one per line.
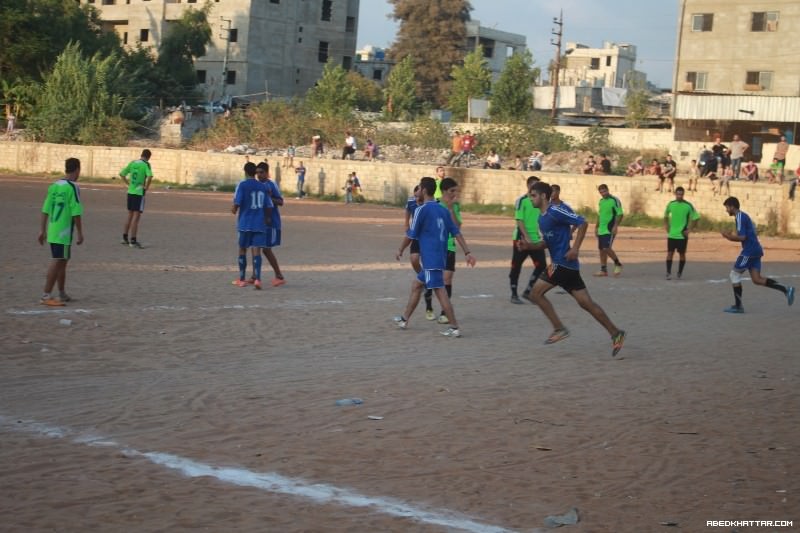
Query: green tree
x=401 y=97
x=333 y=95
x=636 y=103
x=369 y=96
x=512 y=99
x=184 y=41
x=434 y=33
x=471 y=80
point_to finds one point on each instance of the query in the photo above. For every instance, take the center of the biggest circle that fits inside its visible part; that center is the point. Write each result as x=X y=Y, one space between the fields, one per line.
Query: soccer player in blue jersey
x=555 y=224
x=431 y=226
x=414 y=201
x=274 y=225
x=749 y=258
x=252 y=203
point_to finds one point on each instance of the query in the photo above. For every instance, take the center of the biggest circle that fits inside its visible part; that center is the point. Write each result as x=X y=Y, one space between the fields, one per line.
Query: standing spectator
x=717 y=149
x=300 y=172
x=61 y=214
x=589 y=165
x=780 y=155
x=467 y=146
x=349 y=146
x=11 y=120
x=727 y=176
x=348 y=189
x=317 y=149
x=288 y=158
x=708 y=162
x=750 y=171
x=635 y=168
x=535 y=161
x=738 y=148
x=137 y=175
x=670 y=169
x=725 y=160
x=370 y=150
x=694 y=175
x=605 y=164
x=655 y=170
x=793 y=183
x=492 y=160
x=455 y=148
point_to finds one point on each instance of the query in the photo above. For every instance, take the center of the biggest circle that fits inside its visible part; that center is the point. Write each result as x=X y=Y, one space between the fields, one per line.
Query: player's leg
x=758 y=279
x=542 y=286
x=138 y=205
x=602 y=246
x=539 y=266
x=417 y=286
x=274 y=239
x=58 y=263
x=670 y=256
x=255 y=252
x=739 y=268
x=517 y=259
x=273 y=263
x=682 y=256
x=573 y=283
x=449 y=313
x=448 y=285
x=126 y=229
x=245 y=239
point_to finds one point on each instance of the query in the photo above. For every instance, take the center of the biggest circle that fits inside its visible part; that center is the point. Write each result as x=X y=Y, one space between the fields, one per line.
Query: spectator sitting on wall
x=349 y=147
x=370 y=150
x=773 y=173
x=750 y=170
x=589 y=165
x=519 y=164
x=535 y=161
x=635 y=168
x=605 y=165
x=492 y=160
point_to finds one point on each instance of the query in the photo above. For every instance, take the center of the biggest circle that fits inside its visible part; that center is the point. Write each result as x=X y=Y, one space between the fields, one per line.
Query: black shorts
x=677 y=244
x=136 y=202
x=451 y=261
x=414 y=246
x=605 y=241
x=59 y=251
x=566 y=278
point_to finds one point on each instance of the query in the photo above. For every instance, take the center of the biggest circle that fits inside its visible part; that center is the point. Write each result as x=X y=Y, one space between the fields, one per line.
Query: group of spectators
x=348 y=149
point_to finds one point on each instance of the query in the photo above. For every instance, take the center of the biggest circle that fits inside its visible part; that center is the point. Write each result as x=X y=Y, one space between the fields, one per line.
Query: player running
x=680 y=218
x=252 y=203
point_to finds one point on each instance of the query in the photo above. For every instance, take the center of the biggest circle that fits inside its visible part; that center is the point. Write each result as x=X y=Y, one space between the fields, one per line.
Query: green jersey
x=451 y=241
x=679 y=214
x=137 y=173
x=63 y=202
x=437 y=194
x=607 y=211
x=529 y=216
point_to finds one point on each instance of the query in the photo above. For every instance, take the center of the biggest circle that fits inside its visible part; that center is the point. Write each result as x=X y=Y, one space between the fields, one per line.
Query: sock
x=513 y=289
x=428 y=300
x=449 y=289
x=737 y=295
x=603 y=268
x=681 y=264
x=257 y=267
x=124 y=236
x=133 y=239
x=669 y=266
x=772 y=284
x=242 y=266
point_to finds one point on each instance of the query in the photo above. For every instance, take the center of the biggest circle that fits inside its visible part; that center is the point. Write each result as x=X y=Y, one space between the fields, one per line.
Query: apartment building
x=612 y=66
x=737 y=70
x=277 y=47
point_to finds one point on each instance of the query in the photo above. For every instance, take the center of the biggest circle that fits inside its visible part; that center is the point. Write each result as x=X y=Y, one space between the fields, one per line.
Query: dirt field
x=175 y=401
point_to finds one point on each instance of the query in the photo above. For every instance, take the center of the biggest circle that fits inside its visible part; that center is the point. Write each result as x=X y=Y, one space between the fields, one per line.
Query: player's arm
x=76 y=220
x=148 y=181
x=403 y=245
x=522 y=231
x=43 y=228
x=407 y=221
x=235 y=208
x=124 y=178
x=573 y=251
x=463 y=243
x=666 y=220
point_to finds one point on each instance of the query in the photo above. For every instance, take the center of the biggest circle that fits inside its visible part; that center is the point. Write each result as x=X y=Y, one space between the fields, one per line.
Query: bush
x=520 y=139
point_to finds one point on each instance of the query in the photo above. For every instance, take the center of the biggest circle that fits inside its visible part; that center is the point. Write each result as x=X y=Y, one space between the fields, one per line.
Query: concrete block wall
x=392 y=183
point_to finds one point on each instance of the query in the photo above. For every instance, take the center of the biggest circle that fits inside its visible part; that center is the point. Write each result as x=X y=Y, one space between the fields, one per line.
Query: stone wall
x=392 y=183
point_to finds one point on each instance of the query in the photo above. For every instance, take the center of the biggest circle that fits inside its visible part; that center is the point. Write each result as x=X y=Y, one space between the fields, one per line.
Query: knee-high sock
x=257 y=267
x=242 y=266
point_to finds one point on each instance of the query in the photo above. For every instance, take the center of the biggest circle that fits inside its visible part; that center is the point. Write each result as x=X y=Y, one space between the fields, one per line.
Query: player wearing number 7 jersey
x=252 y=203
x=61 y=213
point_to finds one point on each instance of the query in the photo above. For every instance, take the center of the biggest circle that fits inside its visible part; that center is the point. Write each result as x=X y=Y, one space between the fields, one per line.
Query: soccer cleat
x=277 y=282
x=557 y=335
x=451 y=332
x=617 y=270
x=526 y=294
x=515 y=299
x=735 y=310
x=64 y=297
x=429 y=315
x=790 y=295
x=669 y=276
x=125 y=242
x=136 y=244
x=443 y=319
x=601 y=274
x=680 y=275
x=400 y=322
x=52 y=302
x=239 y=283
x=617 y=342
x=257 y=284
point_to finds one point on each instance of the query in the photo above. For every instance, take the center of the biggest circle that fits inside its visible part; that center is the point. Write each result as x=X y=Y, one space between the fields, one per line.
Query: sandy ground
x=177 y=402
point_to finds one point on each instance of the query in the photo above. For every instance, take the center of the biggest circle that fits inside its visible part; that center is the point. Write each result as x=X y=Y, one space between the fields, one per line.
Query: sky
x=650 y=25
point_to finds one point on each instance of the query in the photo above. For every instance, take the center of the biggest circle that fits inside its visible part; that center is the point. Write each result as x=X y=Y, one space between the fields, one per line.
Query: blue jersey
x=411 y=205
x=556 y=227
x=252 y=197
x=745 y=228
x=431 y=226
x=274 y=193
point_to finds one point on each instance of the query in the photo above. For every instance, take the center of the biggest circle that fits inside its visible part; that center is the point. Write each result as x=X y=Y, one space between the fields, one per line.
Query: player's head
x=603 y=190
x=250 y=169
x=262 y=171
x=531 y=180
x=428 y=186
x=146 y=154
x=731 y=204
x=72 y=167
x=440 y=172
x=540 y=193
x=679 y=191
x=555 y=195
x=449 y=190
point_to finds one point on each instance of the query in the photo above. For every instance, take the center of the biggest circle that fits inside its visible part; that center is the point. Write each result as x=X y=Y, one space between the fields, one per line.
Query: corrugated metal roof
x=737 y=107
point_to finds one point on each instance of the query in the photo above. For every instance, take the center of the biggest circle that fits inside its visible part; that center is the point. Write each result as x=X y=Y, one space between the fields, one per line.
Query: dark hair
x=428 y=185
x=531 y=180
x=680 y=189
x=264 y=166
x=602 y=186
x=71 y=165
x=556 y=187
x=448 y=183
x=416 y=188
x=731 y=201
x=146 y=154
x=250 y=168
x=543 y=189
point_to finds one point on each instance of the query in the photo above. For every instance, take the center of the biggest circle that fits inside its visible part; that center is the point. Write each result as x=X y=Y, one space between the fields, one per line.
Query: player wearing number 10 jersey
x=252 y=203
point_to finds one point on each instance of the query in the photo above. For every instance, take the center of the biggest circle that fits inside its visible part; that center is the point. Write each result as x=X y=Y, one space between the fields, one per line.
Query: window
x=347 y=62
x=608 y=61
x=125 y=38
x=758 y=81
x=144 y=35
x=377 y=75
x=109 y=2
x=765 y=21
x=703 y=22
x=322 y=53
x=697 y=81
x=230 y=77
x=191 y=1
x=233 y=35
x=350 y=24
x=201 y=76
x=595 y=63
x=327 y=6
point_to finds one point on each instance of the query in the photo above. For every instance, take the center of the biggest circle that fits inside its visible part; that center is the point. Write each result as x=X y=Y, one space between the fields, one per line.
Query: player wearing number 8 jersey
x=137 y=175
x=253 y=205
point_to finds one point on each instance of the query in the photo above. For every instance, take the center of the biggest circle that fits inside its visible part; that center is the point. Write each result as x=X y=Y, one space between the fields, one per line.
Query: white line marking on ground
x=65 y=311
x=320 y=493
x=475 y=296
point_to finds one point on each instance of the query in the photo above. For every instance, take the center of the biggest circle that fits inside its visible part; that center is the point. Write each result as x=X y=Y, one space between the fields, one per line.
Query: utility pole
x=226 y=35
x=558 y=32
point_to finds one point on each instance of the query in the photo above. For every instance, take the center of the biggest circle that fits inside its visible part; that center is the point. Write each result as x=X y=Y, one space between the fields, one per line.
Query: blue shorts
x=59 y=251
x=747 y=262
x=136 y=202
x=252 y=239
x=432 y=279
x=273 y=237
x=604 y=241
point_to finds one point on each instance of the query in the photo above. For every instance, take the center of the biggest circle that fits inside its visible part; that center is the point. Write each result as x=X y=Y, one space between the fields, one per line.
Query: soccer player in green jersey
x=526 y=230
x=61 y=213
x=680 y=218
x=609 y=216
x=137 y=175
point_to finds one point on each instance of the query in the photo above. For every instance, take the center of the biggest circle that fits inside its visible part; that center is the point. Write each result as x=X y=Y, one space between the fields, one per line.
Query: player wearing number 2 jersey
x=253 y=205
